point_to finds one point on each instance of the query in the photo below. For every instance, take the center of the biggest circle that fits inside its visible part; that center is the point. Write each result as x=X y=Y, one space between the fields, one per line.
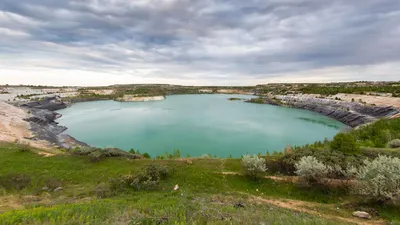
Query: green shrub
x=96 y=156
x=150 y=177
x=146 y=155
x=53 y=183
x=253 y=166
x=23 y=146
x=274 y=165
x=394 y=143
x=12 y=182
x=205 y=156
x=380 y=178
x=310 y=170
x=379 y=132
x=147 y=179
x=121 y=183
x=345 y=143
x=328 y=157
x=102 y=190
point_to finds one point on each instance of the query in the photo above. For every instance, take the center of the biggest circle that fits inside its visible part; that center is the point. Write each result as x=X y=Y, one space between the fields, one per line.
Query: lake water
x=196 y=125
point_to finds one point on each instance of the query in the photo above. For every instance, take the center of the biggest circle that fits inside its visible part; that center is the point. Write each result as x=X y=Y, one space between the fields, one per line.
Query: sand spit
x=134 y=98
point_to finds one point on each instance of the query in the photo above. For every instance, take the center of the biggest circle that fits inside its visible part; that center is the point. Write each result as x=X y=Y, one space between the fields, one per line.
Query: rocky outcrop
x=362 y=214
x=352 y=114
x=51 y=103
x=43 y=125
x=134 y=98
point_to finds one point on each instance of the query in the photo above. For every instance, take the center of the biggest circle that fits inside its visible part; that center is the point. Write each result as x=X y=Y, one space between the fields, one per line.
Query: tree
x=380 y=178
x=253 y=166
x=146 y=155
x=345 y=143
x=310 y=170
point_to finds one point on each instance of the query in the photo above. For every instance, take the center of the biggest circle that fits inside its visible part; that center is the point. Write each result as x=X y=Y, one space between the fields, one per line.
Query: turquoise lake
x=196 y=125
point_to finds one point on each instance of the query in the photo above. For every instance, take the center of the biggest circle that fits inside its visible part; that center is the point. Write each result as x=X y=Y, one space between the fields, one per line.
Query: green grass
x=145 y=210
x=85 y=198
x=78 y=172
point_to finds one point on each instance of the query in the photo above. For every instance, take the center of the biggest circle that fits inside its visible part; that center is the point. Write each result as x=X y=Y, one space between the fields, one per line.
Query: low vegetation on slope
x=322 y=183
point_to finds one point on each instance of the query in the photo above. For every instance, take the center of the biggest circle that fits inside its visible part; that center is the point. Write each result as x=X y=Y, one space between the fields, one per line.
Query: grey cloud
x=206 y=38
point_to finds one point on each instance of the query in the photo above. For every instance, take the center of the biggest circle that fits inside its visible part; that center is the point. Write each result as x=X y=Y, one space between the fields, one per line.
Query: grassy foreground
x=205 y=194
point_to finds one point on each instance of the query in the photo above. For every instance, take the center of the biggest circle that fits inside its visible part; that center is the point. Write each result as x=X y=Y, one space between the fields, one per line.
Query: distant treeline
x=394 y=89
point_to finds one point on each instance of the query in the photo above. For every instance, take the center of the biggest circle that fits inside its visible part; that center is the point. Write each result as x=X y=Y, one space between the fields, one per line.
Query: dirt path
x=310 y=208
x=305 y=207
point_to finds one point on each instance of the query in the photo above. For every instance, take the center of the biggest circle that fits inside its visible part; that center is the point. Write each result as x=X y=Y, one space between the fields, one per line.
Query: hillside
x=70 y=188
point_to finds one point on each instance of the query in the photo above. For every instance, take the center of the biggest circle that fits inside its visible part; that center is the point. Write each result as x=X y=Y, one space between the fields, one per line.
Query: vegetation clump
x=377 y=134
x=23 y=146
x=310 y=170
x=380 y=178
x=235 y=99
x=328 y=157
x=394 y=143
x=96 y=154
x=148 y=179
x=12 y=182
x=253 y=166
x=345 y=143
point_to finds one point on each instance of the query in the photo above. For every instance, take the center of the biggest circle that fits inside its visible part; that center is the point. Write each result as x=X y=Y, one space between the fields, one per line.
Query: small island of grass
x=235 y=99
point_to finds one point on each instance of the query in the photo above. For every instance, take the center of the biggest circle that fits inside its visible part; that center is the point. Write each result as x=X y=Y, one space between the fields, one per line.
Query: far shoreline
x=70 y=100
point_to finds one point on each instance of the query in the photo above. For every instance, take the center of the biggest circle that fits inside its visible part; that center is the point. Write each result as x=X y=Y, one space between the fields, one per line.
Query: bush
x=102 y=190
x=146 y=155
x=310 y=170
x=394 y=143
x=205 y=156
x=14 y=181
x=345 y=143
x=330 y=158
x=53 y=183
x=380 y=178
x=23 y=146
x=379 y=132
x=148 y=179
x=253 y=166
x=97 y=154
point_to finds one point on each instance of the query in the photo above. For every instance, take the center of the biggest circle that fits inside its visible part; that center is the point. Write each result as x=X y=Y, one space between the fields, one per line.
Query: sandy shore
x=133 y=98
x=14 y=128
x=370 y=99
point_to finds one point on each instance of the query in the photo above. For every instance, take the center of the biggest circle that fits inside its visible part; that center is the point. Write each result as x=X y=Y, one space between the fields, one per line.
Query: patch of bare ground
x=313 y=209
x=369 y=99
x=326 y=211
x=13 y=128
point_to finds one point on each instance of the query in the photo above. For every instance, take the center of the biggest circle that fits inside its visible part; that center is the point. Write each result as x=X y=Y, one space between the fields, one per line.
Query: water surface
x=196 y=125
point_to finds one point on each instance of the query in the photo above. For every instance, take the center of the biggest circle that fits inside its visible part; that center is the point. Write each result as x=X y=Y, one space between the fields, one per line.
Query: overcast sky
x=198 y=42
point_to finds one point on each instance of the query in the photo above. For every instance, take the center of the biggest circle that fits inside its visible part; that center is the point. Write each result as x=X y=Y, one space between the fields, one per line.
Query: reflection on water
x=323 y=122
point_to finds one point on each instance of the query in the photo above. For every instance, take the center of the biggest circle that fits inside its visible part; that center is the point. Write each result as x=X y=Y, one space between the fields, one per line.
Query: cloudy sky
x=198 y=42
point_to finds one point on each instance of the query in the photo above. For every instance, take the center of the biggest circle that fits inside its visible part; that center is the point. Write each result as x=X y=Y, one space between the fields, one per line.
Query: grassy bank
x=204 y=195
x=69 y=188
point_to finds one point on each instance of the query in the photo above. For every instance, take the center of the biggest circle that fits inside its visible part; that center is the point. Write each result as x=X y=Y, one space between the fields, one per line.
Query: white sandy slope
x=14 y=128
